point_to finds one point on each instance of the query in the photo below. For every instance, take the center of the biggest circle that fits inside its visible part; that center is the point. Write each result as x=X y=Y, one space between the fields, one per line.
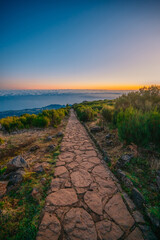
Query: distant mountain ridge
x=29 y=111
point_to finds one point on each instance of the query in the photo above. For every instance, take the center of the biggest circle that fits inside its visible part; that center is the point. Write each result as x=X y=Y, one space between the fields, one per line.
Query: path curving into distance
x=84 y=201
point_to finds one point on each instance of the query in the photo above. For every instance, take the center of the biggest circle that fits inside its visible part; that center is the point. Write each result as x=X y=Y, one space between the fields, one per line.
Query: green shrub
x=107 y=113
x=41 y=121
x=85 y=113
x=146 y=99
x=135 y=126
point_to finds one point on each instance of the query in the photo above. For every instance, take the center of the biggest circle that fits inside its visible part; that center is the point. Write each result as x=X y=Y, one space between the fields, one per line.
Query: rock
x=108 y=136
x=3 y=188
x=94 y=160
x=36 y=194
x=94 y=202
x=50 y=227
x=109 y=142
x=43 y=180
x=16 y=177
x=78 y=224
x=50 y=148
x=158 y=182
x=123 y=160
x=59 y=134
x=135 y=234
x=62 y=197
x=126 y=181
x=138 y=198
x=34 y=148
x=108 y=230
x=81 y=178
x=96 y=129
x=117 y=210
x=16 y=163
x=138 y=217
x=38 y=168
x=129 y=202
x=49 y=138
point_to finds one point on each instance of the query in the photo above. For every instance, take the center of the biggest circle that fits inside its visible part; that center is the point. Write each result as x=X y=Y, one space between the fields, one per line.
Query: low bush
x=135 y=126
x=85 y=113
x=107 y=113
x=43 y=119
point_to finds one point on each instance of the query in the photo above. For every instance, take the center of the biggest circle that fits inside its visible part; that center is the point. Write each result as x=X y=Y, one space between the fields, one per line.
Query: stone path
x=84 y=201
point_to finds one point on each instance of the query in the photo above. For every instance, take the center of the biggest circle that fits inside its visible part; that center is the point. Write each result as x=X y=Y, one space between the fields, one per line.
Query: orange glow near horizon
x=73 y=86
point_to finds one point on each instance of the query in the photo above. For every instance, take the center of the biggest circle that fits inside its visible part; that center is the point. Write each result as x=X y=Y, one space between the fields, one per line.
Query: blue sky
x=79 y=44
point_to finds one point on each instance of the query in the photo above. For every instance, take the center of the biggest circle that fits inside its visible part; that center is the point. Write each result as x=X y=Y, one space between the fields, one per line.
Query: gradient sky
x=111 y=44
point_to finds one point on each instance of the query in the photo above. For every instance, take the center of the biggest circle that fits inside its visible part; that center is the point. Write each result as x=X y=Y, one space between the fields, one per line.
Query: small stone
x=16 y=163
x=96 y=129
x=38 y=168
x=49 y=138
x=78 y=224
x=50 y=148
x=108 y=136
x=117 y=210
x=63 y=197
x=59 y=134
x=123 y=160
x=43 y=180
x=81 y=178
x=137 y=198
x=16 y=177
x=3 y=188
x=50 y=227
x=94 y=202
x=108 y=230
x=109 y=142
x=126 y=181
x=34 y=148
x=36 y=194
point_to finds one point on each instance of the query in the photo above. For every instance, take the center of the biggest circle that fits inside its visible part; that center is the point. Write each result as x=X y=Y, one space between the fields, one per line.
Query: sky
x=80 y=44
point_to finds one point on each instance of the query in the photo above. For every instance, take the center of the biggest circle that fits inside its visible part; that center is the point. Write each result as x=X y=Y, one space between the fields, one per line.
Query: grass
x=20 y=213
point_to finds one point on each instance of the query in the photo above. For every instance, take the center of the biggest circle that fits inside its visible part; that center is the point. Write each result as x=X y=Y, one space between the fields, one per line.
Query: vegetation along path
x=84 y=201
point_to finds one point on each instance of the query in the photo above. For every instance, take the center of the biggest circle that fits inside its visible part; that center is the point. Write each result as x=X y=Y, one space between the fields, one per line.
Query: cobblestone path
x=84 y=201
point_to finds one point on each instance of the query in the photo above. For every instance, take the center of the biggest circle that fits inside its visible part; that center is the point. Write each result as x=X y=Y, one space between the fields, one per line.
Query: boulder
x=137 y=198
x=96 y=129
x=16 y=163
x=123 y=160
